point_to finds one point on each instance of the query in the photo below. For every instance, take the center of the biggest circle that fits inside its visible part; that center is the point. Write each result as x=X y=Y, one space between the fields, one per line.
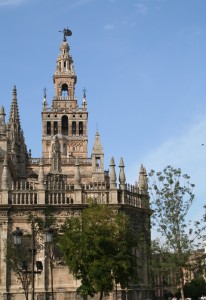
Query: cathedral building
x=65 y=178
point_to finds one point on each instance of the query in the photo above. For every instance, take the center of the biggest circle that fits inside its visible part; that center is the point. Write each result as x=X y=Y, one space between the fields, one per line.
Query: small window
x=80 y=128
x=65 y=125
x=55 y=127
x=48 y=128
x=73 y=128
x=97 y=163
x=64 y=90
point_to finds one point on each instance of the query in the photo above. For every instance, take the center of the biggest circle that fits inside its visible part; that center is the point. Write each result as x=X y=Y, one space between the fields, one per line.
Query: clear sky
x=143 y=65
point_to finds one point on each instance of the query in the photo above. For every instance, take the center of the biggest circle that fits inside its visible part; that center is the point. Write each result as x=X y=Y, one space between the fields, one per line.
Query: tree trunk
x=101 y=295
x=52 y=282
x=182 y=285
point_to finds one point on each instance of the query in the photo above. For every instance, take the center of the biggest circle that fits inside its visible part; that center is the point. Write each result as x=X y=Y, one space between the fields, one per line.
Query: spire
x=2 y=121
x=5 y=175
x=77 y=177
x=122 y=178
x=14 y=112
x=41 y=175
x=112 y=173
x=97 y=148
x=143 y=186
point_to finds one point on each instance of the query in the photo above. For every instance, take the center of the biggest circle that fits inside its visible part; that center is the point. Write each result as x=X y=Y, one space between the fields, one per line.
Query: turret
x=41 y=175
x=77 y=183
x=5 y=182
x=5 y=175
x=2 y=121
x=122 y=178
x=97 y=160
x=3 y=132
x=112 y=174
x=113 y=184
x=143 y=186
x=41 y=186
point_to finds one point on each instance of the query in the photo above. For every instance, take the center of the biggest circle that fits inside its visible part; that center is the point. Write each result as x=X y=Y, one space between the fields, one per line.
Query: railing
x=65 y=98
x=69 y=160
x=59 y=191
x=96 y=197
x=22 y=198
x=57 y=198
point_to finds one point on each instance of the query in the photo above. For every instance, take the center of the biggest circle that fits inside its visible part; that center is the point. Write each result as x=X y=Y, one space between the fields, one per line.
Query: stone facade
x=65 y=177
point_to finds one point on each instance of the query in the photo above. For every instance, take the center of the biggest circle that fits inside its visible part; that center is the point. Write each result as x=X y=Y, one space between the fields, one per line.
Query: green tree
x=171 y=198
x=98 y=249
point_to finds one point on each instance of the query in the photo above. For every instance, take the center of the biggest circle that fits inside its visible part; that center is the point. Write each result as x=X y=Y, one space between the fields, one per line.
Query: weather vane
x=66 y=32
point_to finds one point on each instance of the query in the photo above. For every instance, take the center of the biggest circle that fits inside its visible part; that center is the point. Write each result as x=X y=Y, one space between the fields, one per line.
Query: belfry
x=65 y=178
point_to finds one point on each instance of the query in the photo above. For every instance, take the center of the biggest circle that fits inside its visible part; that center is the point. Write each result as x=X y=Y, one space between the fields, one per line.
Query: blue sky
x=143 y=65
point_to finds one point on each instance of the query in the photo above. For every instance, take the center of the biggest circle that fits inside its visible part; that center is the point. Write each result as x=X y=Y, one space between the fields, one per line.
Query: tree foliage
x=171 y=198
x=97 y=248
x=196 y=288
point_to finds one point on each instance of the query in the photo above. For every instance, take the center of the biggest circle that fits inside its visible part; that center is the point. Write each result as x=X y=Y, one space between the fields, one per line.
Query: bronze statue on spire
x=66 y=32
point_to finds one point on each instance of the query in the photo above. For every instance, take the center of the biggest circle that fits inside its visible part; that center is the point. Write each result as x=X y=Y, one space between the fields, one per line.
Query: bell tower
x=65 y=118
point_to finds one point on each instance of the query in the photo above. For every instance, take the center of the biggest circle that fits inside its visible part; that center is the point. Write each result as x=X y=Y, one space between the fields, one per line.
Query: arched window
x=65 y=125
x=73 y=128
x=80 y=128
x=64 y=90
x=48 y=129
x=55 y=127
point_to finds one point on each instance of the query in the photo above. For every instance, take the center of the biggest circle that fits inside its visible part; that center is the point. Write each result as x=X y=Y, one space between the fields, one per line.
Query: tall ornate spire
x=112 y=174
x=122 y=178
x=14 y=112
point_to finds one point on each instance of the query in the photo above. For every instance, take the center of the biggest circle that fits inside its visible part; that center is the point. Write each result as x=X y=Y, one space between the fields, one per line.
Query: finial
x=84 y=92
x=14 y=90
x=44 y=92
x=66 y=32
